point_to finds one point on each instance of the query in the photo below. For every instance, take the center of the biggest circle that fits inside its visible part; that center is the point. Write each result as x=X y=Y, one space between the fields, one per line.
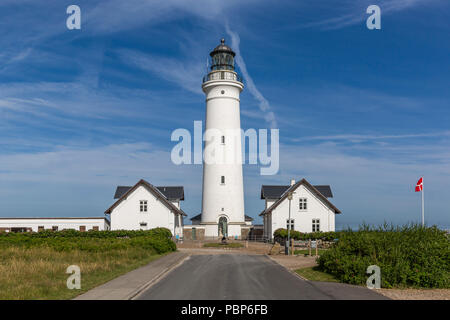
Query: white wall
x=127 y=215
x=61 y=223
x=316 y=209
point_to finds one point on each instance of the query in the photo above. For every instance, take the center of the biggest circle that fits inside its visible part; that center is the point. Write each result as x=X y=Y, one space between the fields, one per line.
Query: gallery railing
x=222 y=75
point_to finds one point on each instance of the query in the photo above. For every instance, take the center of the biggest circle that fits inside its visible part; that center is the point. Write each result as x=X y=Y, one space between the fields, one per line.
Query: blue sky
x=366 y=111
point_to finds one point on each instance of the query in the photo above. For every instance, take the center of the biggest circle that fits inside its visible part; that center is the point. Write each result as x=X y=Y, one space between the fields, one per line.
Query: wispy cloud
x=264 y=105
x=364 y=137
x=372 y=186
x=134 y=13
x=354 y=12
x=91 y=173
x=186 y=74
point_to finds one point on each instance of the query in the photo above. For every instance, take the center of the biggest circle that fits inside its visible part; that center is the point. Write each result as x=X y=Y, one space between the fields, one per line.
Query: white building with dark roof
x=144 y=206
x=309 y=208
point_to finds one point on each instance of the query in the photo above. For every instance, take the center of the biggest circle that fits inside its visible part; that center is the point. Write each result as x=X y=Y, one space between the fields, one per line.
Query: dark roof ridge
x=154 y=190
x=295 y=186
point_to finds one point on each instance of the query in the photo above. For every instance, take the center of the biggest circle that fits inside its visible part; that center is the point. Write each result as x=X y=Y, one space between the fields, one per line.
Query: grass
x=40 y=272
x=223 y=245
x=313 y=251
x=314 y=274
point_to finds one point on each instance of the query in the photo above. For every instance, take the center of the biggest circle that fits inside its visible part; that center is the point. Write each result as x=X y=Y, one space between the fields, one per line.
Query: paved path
x=243 y=277
x=130 y=284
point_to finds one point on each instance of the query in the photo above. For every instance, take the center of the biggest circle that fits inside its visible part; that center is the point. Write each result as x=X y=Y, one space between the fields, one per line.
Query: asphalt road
x=245 y=277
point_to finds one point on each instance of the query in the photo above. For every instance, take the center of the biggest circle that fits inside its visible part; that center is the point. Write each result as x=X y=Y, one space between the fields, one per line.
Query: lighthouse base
x=211 y=232
x=234 y=231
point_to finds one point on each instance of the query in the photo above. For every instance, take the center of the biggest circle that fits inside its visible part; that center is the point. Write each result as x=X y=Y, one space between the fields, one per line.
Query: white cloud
x=186 y=74
x=264 y=105
x=370 y=187
x=101 y=165
x=354 y=12
x=363 y=137
x=117 y=15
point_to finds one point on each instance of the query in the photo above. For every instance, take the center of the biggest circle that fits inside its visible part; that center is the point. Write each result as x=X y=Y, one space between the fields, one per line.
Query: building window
x=95 y=228
x=316 y=225
x=82 y=228
x=55 y=228
x=222 y=180
x=303 y=204
x=290 y=225
x=143 y=225
x=143 y=206
x=40 y=228
x=223 y=140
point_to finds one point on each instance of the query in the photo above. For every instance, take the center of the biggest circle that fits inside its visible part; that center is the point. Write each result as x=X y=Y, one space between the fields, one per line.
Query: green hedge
x=408 y=256
x=281 y=234
x=157 y=240
x=89 y=234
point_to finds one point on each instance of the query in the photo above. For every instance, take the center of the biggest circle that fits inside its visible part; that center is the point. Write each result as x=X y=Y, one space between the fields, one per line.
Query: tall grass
x=409 y=256
x=33 y=265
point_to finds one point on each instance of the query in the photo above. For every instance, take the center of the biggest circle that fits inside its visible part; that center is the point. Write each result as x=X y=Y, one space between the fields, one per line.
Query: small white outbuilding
x=310 y=209
x=144 y=206
x=55 y=224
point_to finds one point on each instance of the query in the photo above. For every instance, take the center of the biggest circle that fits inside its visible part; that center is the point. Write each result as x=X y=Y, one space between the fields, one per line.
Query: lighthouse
x=223 y=189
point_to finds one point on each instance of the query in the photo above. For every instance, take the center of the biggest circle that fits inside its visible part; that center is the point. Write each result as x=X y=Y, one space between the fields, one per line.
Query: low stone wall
x=191 y=233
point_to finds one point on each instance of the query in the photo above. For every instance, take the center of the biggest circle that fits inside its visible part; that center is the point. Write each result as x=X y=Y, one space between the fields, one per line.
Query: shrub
x=157 y=240
x=408 y=256
x=280 y=235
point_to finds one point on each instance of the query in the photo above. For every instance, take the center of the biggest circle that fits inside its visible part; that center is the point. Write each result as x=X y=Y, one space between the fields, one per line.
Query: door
x=223 y=227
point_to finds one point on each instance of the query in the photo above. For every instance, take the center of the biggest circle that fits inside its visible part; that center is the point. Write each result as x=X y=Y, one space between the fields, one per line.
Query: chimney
x=292 y=182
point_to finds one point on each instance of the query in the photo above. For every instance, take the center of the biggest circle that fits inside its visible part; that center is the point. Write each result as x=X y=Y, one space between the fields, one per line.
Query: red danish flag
x=419 y=185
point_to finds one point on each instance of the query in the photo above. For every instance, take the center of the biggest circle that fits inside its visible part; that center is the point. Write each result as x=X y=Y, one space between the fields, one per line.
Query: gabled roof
x=312 y=188
x=156 y=192
x=199 y=216
x=170 y=192
x=275 y=192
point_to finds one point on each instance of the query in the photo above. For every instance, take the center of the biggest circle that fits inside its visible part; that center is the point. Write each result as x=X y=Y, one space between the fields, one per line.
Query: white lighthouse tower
x=223 y=190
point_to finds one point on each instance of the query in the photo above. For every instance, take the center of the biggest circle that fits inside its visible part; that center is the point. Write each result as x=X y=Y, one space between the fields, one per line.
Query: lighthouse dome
x=222 y=57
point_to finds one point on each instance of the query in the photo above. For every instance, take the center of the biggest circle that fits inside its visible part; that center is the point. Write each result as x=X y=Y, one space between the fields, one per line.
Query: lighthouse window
x=222 y=180
x=223 y=139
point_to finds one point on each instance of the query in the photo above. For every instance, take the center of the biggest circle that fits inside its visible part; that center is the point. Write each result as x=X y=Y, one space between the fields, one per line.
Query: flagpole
x=423 y=205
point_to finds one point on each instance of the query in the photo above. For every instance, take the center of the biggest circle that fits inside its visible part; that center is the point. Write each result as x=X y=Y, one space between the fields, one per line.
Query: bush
x=163 y=232
x=280 y=235
x=408 y=256
x=157 y=240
